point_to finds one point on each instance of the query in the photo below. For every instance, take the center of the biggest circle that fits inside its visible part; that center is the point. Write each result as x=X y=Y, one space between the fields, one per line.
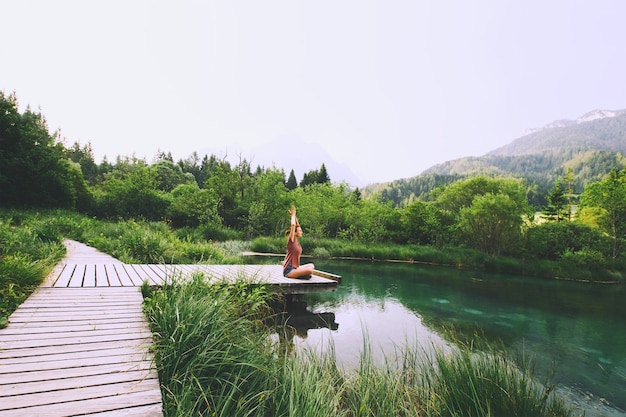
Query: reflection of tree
x=292 y=318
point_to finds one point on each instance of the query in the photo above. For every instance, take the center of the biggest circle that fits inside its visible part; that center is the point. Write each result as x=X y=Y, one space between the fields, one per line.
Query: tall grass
x=30 y=246
x=215 y=357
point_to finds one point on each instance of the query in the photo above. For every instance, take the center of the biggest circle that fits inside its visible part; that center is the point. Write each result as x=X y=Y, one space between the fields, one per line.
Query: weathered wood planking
x=133 y=275
x=85 y=266
x=70 y=351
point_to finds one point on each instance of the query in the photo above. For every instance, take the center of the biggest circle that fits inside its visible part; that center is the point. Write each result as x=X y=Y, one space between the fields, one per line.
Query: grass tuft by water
x=215 y=356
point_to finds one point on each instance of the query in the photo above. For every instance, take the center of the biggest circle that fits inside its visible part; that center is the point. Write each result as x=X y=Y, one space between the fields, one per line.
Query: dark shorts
x=288 y=269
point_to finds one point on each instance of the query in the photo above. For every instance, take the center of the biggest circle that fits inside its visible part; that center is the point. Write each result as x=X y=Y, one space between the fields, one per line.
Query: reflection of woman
x=291 y=264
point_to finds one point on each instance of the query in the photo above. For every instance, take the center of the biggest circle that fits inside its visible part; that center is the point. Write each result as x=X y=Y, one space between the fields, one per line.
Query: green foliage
x=33 y=169
x=609 y=195
x=551 y=240
x=492 y=224
x=192 y=206
x=30 y=246
x=315 y=176
x=292 y=182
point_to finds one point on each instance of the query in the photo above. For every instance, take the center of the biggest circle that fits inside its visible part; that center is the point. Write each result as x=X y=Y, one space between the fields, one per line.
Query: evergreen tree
x=292 y=183
x=309 y=178
x=556 y=202
x=322 y=176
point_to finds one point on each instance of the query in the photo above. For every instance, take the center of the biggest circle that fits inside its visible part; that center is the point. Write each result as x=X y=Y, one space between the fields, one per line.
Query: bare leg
x=301 y=271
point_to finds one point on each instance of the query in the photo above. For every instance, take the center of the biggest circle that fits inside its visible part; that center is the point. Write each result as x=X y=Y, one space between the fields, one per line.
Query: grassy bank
x=215 y=357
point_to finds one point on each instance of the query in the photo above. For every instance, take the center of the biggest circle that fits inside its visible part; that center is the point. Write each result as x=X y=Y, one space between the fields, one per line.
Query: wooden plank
x=155 y=276
x=78 y=276
x=81 y=325
x=114 y=280
x=136 y=280
x=60 y=364
x=64 y=278
x=51 y=350
x=123 y=275
x=57 y=356
x=57 y=333
x=90 y=405
x=66 y=383
x=78 y=393
x=90 y=276
x=71 y=340
x=141 y=411
x=328 y=275
x=102 y=279
x=94 y=370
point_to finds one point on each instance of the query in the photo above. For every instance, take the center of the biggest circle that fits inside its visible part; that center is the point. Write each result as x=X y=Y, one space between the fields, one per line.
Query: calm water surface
x=576 y=330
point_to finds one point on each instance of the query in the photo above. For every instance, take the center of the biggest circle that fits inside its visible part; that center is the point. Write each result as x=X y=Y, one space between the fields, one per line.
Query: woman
x=291 y=264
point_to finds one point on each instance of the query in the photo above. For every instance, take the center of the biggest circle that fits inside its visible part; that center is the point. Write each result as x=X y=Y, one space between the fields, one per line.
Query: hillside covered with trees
x=493 y=213
x=587 y=148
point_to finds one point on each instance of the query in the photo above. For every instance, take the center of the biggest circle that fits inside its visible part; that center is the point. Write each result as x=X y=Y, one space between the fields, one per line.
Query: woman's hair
x=288 y=232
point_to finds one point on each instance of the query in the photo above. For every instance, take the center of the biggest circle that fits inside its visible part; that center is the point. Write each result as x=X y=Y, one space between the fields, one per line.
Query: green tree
x=224 y=184
x=421 y=223
x=551 y=240
x=461 y=194
x=309 y=178
x=192 y=206
x=609 y=196
x=131 y=191
x=492 y=223
x=270 y=201
x=556 y=202
x=169 y=175
x=322 y=176
x=85 y=158
x=34 y=170
x=292 y=183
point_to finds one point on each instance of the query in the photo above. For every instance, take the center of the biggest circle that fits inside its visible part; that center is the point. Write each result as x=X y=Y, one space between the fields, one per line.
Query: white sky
x=388 y=88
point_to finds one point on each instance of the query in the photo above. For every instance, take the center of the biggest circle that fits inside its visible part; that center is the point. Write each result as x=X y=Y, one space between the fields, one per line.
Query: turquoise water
x=576 y=330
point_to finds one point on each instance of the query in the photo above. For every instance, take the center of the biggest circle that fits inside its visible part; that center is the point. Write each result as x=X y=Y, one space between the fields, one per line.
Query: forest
x=499 y=215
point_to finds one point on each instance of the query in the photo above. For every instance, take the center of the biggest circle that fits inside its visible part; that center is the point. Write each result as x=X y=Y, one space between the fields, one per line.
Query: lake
x=577 y=330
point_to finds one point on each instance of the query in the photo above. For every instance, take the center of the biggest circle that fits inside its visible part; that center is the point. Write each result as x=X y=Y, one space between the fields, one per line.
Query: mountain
x=598 y=129
x=589 y=147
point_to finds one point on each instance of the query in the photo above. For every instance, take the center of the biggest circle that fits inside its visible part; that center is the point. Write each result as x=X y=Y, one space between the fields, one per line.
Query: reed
x=215 y=357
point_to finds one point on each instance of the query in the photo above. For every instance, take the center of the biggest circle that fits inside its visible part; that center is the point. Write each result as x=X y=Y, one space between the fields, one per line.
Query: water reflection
x=575 y=330
x=292 y=320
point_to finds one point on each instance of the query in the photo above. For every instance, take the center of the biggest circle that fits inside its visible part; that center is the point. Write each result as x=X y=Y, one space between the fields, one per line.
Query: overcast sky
x=386 y=88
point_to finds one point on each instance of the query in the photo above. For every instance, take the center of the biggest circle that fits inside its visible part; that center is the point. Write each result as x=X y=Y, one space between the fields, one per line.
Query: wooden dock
x=80 y=344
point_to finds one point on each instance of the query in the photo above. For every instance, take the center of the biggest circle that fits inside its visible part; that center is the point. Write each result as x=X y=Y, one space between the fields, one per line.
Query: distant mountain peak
x=597 y=114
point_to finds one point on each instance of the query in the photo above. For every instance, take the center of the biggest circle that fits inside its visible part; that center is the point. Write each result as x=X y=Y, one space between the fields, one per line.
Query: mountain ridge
x=588 y=147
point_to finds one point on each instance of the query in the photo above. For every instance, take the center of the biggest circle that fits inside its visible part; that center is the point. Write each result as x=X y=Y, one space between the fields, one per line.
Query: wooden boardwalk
x=86 y=267
x=80 y=344
x=75 y=351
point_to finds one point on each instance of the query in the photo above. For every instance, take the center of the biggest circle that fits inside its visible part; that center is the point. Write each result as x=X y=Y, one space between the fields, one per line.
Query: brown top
x=294 y=250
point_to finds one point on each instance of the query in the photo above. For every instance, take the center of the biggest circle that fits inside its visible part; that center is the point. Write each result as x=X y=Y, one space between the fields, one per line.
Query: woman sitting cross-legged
x=291 y=264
